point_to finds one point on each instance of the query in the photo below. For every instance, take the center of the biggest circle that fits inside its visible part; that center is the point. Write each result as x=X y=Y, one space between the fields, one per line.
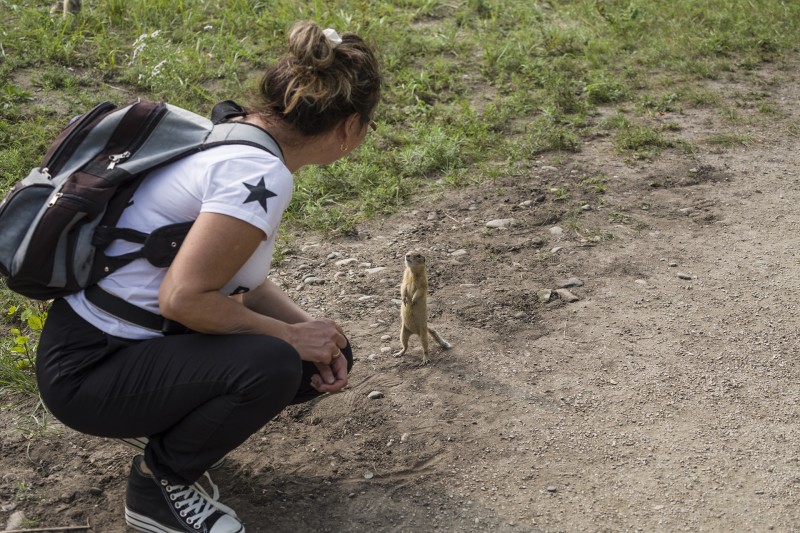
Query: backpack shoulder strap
x=224 y=111
x=243 y=133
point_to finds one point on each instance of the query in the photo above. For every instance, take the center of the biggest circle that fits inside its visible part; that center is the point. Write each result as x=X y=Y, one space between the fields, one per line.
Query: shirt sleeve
x=256 y=189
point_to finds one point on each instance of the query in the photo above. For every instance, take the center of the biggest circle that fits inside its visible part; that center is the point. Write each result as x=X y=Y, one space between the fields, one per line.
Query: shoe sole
x=148 y=525
x=139 y=443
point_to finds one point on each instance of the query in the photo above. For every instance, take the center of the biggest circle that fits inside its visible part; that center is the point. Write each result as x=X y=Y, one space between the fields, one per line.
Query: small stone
x=500 y=223
x=571 y=282
x=673 y=263
x=372 y=356
x=552 y=488
x=586 y=207
x=683 y=275
x=526 y=203
x=366 y=297
x=311 y=280
x=458 y=253
x=16 y=519
x=433 y=216
x=641 y=282
x=386 y=349
x=385 y=337
x=404 y=437
x=334 y=255
x=548 y=168
x=556 y=230
x=567 y=296
x=348 y=261
x=375 y=395
x=368 y=474
x=95 y=491
x=556 y=249
x=544 y=295
x=375 y=270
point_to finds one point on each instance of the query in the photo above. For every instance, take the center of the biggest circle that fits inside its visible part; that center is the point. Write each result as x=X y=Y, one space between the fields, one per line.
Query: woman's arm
x=268 y=299
x=214 y=250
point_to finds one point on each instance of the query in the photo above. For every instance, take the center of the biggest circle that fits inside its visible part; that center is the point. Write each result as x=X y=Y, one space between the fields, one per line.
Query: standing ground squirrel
x=414 y=309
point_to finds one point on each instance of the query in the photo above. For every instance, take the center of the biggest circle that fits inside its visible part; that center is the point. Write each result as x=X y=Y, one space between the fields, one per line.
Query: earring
x=344 y=147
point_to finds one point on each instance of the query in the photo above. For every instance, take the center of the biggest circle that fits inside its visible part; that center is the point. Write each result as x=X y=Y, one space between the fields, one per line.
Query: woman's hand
x=330 y=378
x=317 y=341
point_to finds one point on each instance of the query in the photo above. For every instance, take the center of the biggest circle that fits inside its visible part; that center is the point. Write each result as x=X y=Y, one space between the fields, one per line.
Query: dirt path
x=653 y=403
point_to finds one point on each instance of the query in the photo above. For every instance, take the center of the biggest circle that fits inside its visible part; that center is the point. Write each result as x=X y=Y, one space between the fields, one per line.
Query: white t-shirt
x=235 y=180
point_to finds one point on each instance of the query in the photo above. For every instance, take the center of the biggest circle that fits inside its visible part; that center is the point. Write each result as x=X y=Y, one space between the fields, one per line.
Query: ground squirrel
x=414 y=309
x=66 y=7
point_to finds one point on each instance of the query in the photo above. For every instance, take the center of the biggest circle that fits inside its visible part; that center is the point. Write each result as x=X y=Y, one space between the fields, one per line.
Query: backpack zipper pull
x=117 y=158
x=54 y=199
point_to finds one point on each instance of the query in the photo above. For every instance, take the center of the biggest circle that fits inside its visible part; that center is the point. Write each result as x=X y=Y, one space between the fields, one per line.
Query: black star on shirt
x=258 y=193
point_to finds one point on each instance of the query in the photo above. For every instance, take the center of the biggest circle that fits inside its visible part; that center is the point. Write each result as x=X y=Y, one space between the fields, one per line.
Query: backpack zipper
x=117 y=158
x=145 y=132
x=71 y=197
x=54 y=162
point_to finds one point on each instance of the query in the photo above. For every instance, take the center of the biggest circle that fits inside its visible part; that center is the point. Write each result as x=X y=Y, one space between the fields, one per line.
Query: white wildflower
x=157 y=69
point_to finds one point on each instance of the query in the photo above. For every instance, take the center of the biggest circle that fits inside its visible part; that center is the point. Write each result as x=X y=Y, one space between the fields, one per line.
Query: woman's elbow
x=173 y=302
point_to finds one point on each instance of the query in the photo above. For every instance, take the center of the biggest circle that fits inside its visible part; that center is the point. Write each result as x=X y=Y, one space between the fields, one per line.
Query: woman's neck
x=295 y=147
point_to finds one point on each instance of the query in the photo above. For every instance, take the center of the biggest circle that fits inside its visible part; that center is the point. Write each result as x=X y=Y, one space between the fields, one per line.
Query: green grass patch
x=728 y=140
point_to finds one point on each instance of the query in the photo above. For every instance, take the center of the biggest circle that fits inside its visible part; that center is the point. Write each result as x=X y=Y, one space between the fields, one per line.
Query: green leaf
x=35 y=323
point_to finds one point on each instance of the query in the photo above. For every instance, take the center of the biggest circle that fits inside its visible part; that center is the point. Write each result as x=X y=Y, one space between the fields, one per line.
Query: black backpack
x=56 y=223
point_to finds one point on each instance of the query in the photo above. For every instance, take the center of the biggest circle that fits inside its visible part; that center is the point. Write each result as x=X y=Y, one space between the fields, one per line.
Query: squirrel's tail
x=438 y=338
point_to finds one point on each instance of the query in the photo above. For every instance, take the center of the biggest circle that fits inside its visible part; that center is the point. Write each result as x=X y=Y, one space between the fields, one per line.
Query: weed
x=597 y=183
x=640 y=139
x=18 y=349
x=11 y=95
x=618 y=217
x=561 y=194
x=728 y=140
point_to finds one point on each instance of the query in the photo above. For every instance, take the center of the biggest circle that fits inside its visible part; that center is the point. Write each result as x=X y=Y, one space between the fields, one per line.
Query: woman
x=247 y=351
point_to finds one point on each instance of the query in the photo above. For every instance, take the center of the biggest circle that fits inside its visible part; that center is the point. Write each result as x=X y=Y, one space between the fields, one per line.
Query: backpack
x=56 y=223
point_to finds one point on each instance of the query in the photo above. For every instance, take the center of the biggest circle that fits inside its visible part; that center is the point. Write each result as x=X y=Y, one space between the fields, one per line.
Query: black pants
x=195 y=396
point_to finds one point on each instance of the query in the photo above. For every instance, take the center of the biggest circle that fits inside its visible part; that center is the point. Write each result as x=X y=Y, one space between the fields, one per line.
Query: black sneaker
x=138 y=443
x=157 y=506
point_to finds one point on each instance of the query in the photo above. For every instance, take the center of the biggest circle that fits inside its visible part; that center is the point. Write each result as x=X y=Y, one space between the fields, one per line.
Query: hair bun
x=310 y=46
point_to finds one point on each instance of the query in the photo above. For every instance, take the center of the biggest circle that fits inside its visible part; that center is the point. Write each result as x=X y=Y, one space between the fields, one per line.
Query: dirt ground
x=664 y=398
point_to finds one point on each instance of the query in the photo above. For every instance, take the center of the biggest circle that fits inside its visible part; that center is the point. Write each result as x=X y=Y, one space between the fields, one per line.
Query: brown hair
x=317 y=84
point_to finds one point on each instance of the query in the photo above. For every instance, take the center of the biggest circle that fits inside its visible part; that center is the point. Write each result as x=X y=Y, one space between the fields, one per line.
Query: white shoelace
x=195 y=504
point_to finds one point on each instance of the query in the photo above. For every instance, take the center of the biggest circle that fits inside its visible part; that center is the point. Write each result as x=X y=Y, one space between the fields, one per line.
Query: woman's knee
x=268 y=367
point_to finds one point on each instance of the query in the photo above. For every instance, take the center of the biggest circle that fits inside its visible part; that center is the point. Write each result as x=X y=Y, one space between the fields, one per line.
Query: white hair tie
x=332 y=37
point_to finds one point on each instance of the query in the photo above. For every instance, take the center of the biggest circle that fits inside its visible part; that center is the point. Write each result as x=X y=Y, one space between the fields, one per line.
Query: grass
x=474 y=87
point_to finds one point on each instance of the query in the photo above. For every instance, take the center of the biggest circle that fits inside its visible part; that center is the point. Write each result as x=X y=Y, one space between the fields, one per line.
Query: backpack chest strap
x=127 y=312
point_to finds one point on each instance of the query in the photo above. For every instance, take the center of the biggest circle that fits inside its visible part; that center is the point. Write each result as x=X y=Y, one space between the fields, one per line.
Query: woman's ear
x=351 y=129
